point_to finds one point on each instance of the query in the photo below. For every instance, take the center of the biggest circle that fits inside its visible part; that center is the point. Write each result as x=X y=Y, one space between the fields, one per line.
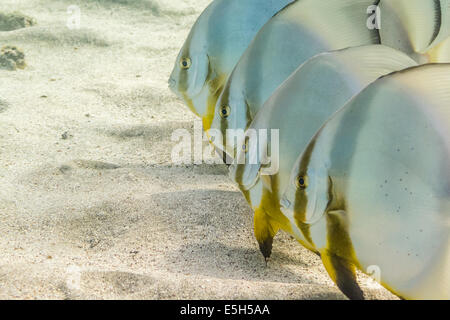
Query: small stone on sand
x=12 y=58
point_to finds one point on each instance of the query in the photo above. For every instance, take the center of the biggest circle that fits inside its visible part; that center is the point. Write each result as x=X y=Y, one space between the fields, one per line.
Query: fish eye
x=185 y=63
x=302 y=182
x=225 y=111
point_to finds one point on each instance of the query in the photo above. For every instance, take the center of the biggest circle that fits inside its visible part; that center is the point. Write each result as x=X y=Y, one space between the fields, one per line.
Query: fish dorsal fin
x=339 y=20
x=429 y=86
x=374 y=61
x=410 y=25
x=431 y=81
x=442 y=17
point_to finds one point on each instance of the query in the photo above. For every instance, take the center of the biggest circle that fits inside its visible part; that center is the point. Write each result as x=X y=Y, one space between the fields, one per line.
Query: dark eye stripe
x=183 y=75
x=301 y=200
x=224 y=123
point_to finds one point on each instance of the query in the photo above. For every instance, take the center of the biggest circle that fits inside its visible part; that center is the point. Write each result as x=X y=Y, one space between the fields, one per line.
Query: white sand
x=104 y=213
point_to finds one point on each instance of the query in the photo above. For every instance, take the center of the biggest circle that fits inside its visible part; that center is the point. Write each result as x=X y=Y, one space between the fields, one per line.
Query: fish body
x=213 y=47
x=378 y=186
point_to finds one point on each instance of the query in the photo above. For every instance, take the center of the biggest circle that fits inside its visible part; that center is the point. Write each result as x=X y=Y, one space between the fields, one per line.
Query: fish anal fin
x=265 y=230
x=339 y=257
x=343 y=273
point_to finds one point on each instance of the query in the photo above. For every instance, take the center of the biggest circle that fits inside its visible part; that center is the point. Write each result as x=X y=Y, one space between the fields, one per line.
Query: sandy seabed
x=91 y=206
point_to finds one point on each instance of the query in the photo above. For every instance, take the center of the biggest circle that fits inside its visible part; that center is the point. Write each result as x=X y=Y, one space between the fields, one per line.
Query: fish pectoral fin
x=265 y=230
x=343 y=273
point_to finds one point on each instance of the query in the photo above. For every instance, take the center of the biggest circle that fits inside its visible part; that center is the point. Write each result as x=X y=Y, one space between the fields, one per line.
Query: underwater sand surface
x=91 y=206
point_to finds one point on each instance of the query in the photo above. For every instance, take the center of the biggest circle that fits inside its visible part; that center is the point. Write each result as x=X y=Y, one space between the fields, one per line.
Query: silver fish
x=372 y=189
